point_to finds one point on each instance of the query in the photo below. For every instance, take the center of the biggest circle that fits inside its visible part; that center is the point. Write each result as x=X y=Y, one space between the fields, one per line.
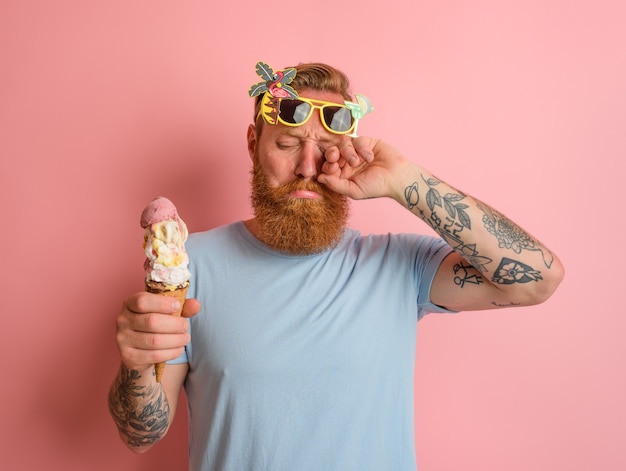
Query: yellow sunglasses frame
x=270 y=110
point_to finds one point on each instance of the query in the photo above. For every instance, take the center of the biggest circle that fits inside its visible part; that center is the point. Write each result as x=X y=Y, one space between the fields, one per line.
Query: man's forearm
x=496 y=247
x=140 y=409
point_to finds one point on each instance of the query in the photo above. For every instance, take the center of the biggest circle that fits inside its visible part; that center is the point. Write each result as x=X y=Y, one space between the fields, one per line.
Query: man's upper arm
x=459 y=286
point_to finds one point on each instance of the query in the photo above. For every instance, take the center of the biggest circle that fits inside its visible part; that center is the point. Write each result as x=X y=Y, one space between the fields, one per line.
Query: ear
x=252 y=141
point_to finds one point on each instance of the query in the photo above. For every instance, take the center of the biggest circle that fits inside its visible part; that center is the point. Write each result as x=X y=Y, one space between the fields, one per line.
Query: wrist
x=139 y=375
x=406 y=185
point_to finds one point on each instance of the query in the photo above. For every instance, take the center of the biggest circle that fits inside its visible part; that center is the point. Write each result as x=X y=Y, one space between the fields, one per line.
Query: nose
x=309 y=161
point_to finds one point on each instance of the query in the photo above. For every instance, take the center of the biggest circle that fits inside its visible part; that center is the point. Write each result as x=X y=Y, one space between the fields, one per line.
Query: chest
x=286 y=326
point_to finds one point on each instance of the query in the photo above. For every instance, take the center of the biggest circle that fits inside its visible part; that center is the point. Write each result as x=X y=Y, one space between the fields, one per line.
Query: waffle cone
x=162 y=290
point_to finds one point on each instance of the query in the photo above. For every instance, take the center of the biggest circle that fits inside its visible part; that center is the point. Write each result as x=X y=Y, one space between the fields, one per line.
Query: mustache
x=309 y=185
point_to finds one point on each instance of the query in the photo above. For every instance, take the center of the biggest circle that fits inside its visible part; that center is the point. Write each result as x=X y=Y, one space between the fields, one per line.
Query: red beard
x=298 y=226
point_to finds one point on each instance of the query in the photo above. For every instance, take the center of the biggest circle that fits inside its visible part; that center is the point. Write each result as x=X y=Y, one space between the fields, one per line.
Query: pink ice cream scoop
x=164 y=244
x=159 y=209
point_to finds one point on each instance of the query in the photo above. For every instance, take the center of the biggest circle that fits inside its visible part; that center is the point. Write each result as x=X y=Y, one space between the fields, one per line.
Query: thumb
x=191 y=307
x=343 y=186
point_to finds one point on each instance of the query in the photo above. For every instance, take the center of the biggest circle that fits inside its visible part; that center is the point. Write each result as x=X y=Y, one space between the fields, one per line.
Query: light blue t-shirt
x=302 y=363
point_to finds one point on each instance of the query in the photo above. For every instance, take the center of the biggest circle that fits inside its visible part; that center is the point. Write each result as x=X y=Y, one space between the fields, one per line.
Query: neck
x=255 y=229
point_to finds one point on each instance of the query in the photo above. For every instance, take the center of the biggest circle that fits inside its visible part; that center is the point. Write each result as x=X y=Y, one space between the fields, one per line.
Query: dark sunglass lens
x=294 y=111
x=338 y=118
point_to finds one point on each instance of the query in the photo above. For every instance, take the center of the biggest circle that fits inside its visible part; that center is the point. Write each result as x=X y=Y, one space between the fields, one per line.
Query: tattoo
x=505 y=305
x=142 y=413
x=512 y=271
x=464 y=274
x=411 y=195
x=450 y=202
x=452 y=227
x=510 y=235
x=449 y=218
x=469 y=253
x=453 y=221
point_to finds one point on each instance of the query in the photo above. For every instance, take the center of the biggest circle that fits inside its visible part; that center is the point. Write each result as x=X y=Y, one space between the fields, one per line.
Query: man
x=301 y=354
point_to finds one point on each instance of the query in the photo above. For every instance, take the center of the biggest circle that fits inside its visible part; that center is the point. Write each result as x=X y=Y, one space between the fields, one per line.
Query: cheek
x=276 y=171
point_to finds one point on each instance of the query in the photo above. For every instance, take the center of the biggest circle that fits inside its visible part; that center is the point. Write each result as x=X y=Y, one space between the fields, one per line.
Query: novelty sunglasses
x=335 y=117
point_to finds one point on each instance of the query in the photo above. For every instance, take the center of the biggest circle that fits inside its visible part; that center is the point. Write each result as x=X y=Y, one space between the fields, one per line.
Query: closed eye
x=287 y=145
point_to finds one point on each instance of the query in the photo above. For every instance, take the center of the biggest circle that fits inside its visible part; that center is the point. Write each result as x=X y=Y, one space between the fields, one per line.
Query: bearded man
x=299 y=344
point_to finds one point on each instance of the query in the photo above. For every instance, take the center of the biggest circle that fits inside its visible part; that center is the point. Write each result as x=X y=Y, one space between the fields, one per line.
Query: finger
x=332 y=154
x=150 y=332
x=335 y=182
x=349 y=153
x=139 y=359
x=144 y=331
x=330 y=167
x=158 y=341
x=144 y=302
x=156 y=323
x=364 y=148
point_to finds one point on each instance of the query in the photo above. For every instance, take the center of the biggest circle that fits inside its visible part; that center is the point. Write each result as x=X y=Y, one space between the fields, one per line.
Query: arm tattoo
x=411 y=195
x=141 y=413
x=448 y=218
x=450 y=202
x=466 y=274
x=510 y=235
x=511 y=271
x=511 y=304
x=454 y=218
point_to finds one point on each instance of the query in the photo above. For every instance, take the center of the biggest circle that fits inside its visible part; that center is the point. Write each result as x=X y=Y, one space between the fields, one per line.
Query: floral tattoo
x=141 y=413
x=510 y=235
x=511 y=271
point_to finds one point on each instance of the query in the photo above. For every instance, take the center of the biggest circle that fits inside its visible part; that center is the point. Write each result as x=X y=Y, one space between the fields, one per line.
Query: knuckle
x=142 y=303
x=152 y=322
x=120 y=338
x=154 y=341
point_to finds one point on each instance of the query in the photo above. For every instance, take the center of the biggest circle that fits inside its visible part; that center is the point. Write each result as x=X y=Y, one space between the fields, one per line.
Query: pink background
x=520 y=103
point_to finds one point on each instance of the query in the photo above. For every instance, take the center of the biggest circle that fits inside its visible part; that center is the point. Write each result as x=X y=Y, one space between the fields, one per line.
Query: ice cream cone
x=162 y=290
x=166 y=258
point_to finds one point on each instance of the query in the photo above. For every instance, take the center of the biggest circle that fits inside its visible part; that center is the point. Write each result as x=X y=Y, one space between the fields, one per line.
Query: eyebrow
x=331 y=139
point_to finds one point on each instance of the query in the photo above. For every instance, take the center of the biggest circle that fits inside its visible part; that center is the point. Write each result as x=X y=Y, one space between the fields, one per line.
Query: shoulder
x=405 y=244
x=198 y=241
x=198 y=237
